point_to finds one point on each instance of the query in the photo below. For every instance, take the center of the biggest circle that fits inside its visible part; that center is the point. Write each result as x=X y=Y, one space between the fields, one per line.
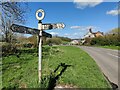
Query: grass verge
x=61 y=65
x=111 y=47
x=83 y=72
x=20 y=71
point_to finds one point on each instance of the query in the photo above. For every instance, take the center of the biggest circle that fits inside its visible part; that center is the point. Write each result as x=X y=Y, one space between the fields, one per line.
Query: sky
x=78 y=17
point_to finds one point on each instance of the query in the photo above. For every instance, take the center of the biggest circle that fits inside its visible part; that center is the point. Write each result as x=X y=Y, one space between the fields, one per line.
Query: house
x=74 y=42
x=98 y=34
x=91 y=34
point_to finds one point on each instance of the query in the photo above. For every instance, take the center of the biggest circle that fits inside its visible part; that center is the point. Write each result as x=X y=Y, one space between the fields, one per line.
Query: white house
x=90 y=34
x=74 y=42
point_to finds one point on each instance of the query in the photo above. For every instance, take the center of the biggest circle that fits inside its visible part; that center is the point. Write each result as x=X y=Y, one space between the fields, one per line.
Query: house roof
x=90 y=30
x=93 y=33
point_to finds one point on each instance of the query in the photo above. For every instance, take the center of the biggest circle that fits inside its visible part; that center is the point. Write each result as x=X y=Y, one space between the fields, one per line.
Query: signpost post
x=39 y=32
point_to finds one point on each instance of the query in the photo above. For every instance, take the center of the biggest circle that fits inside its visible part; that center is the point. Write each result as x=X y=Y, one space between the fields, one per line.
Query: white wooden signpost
x=39 y=32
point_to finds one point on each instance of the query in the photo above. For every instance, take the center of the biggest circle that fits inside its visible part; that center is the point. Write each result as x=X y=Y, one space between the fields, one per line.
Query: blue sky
x=78 y=17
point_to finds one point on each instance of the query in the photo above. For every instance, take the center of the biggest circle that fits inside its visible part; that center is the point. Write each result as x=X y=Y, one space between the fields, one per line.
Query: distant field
x=80 y=70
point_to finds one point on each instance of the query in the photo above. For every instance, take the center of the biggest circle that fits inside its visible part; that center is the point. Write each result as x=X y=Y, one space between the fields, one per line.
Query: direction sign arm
x=49 y=26
x=23 y=29
x=27 y=30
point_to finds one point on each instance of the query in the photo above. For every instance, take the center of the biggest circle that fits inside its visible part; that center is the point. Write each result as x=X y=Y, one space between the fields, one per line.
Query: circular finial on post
x=40 y=17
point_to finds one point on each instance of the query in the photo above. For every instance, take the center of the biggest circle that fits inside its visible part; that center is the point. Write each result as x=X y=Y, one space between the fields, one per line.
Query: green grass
x=0 y=74
x=22 y=72
x=111 y=47
x=84 y=73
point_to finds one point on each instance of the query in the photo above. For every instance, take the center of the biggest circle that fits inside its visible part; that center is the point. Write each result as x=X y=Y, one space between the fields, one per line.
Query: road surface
x=107 y=60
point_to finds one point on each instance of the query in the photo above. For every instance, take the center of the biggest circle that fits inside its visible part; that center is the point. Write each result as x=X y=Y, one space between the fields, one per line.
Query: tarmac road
x=107 y=60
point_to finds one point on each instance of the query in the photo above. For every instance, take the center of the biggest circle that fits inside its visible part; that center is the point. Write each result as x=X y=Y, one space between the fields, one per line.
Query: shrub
x=8 y=49
x=28 y=45
x=106 y=40
x=54 y=40
x=87 y=41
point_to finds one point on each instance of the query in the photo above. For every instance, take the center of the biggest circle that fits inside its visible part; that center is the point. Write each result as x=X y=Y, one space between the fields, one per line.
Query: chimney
x=90 y=30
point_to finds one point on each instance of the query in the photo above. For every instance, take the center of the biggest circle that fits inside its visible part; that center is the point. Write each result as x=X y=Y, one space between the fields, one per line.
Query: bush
x=28 y=45
x=87 y=41
x=106 y=40
x=54 y=40
x=19 y=46
x=8 y=49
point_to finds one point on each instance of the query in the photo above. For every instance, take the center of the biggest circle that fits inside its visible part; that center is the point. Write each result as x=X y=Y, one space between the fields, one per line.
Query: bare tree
x=11 y=12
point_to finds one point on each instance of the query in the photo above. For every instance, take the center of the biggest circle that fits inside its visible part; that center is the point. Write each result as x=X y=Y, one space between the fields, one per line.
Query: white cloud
x=66 y=34
x=81 y=4
x=78 y=27
x=75 y=27
x=113 y=12
x=75 y=35
x=84 y=27
x=54 y=33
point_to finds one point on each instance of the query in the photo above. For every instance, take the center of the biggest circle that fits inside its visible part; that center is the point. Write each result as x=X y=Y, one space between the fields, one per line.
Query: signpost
x=39 y=32
x=27 y=30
